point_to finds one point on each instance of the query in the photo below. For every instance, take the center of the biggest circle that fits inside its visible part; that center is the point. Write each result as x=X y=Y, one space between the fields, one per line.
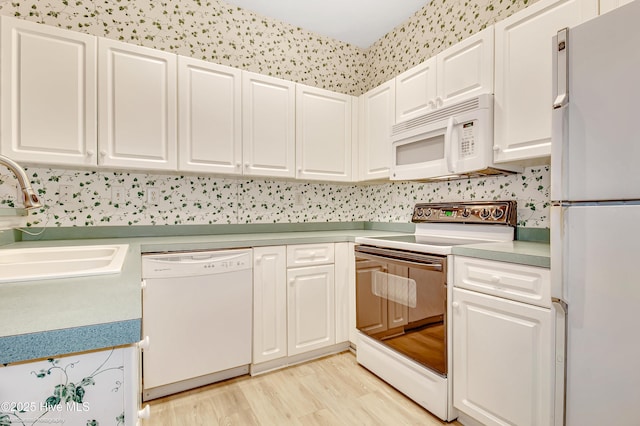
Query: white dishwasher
x=197 y=315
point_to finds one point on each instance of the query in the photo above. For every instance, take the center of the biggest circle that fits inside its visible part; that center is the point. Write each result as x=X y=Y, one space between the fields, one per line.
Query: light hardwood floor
x=334 y=390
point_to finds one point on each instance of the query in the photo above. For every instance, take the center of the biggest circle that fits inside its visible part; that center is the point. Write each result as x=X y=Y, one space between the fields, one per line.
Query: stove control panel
x=493 y=212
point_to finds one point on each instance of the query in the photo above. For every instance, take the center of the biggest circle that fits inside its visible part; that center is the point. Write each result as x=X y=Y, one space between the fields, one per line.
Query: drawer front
x=522 y=283
x=310 y=254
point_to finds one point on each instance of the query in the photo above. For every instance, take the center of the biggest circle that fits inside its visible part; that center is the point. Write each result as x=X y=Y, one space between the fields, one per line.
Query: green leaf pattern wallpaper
x=203 y=200
x=221 y=33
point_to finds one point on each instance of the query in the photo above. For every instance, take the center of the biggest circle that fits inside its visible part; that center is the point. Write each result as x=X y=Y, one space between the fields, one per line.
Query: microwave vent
x=437 y=115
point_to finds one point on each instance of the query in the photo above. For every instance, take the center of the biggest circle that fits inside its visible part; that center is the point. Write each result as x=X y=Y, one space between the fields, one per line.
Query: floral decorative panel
x=87 y=389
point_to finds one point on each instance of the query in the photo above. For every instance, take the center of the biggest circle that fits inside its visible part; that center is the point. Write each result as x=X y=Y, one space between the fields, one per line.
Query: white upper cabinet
x=268 y=126
x=136 y=106
x=48 y=94
x=376 y=118
x=323 y=134
x=416 y=91
x=209 y=117
x=465 y=69
x=523 y=76
x=460 y=72
x=608 y=5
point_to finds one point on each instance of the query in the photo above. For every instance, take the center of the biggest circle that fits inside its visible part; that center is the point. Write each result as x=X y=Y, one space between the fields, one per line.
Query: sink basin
x=40 y=263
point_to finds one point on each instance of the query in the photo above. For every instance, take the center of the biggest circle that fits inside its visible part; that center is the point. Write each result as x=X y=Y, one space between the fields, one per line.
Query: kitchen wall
x=228 y=35
x=213 y=200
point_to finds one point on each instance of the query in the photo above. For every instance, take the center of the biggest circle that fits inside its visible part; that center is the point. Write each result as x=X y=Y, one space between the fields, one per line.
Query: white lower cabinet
x=90 y=388
x=345 y=273
x=301 y=303
x=503 y=356
x=269 y=303
x=310 y=307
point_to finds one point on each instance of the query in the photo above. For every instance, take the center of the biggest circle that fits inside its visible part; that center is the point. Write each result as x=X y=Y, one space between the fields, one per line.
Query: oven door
x=401 y=300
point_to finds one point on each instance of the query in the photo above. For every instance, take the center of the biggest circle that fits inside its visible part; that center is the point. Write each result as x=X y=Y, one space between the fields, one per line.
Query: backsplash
x=225 y=34
x=213 y=200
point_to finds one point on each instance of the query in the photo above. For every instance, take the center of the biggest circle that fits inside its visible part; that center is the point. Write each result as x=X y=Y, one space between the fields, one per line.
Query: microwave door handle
x=448 y=144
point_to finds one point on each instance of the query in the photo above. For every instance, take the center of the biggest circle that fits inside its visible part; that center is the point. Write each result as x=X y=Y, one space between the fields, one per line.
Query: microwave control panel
x=493 y=212
x=467 y=139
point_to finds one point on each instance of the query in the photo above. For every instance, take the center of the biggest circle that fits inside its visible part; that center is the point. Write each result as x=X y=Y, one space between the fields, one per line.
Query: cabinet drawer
x=310 y=254
x=522 y=283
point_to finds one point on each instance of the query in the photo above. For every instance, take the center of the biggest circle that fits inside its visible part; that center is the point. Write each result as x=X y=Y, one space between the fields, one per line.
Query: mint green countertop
x=52 y=317
x=522 y=252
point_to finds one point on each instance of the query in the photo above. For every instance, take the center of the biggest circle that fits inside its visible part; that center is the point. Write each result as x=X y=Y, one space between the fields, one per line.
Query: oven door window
x=403 y=305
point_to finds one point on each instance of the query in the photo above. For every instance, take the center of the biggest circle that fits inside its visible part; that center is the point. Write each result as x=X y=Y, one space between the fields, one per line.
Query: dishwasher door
x=197 y=313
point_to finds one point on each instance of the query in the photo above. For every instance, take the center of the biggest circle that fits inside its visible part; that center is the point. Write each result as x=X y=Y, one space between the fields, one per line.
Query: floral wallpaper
x=209 y=30
x=214 y=200
x=219 y=32
x=216 y=31
x=438 y=25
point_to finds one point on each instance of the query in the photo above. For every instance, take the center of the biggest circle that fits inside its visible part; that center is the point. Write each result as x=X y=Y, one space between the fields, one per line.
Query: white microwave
x=452 y=142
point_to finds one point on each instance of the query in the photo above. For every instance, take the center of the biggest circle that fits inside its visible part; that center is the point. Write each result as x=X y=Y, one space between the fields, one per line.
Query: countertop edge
x=520 y=252
x=52 y=343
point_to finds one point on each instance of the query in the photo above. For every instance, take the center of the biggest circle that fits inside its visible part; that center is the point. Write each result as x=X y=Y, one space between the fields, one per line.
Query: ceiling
x=357 y=22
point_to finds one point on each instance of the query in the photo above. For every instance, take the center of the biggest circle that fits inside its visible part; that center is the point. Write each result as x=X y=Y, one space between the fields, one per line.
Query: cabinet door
x=608 y=5
x=137 y=106
x=523 y=76
x=269 y=303
x=209 y=117
x=502 y=358
x=311 y=308
x=416 y=91
x=465 y=69
x=323 y=134
x=345 y=291
x=378 y=112
x=268 y=126
x=48 y=94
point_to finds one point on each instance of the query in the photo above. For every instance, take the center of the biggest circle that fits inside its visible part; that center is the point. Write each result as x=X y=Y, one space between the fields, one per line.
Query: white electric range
x=402 y=293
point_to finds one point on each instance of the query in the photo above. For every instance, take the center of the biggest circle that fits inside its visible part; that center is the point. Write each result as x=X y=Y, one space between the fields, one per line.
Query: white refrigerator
x=595 y=219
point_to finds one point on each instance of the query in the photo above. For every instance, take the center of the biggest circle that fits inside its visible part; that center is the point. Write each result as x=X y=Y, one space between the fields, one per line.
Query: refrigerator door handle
x=560 y=410
x=562 y=69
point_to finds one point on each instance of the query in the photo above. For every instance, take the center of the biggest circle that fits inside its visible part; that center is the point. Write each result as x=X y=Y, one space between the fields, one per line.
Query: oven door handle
x=431 y=266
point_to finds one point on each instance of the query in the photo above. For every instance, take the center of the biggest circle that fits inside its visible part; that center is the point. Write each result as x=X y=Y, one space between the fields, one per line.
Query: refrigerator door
x=599 y=249
x=596 y=135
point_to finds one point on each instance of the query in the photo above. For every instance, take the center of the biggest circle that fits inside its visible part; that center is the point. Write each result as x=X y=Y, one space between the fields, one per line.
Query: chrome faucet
x=30 y=198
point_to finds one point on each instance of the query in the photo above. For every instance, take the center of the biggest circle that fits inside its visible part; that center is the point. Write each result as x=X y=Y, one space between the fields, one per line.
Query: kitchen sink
x=40 y=263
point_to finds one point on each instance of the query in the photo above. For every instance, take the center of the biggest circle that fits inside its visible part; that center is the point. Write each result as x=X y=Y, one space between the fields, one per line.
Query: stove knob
x=498 y=213
x=466 y=213
x=427 y=213
x=484 y=214
x=419 y=211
